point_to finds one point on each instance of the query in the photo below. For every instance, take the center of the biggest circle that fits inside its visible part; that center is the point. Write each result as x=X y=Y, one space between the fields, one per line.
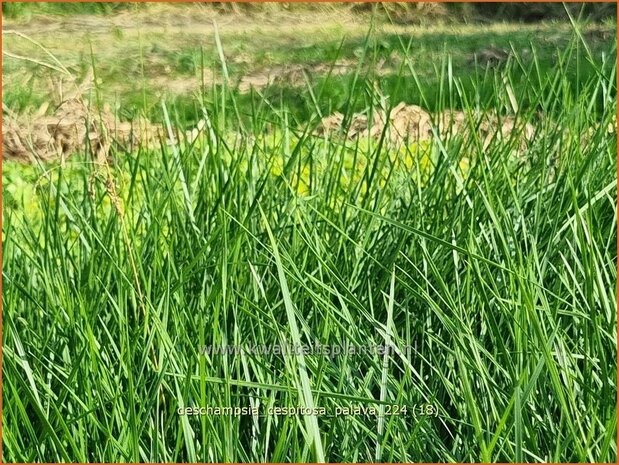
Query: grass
x=144 y=63
x=496 y=268
x=25 y=11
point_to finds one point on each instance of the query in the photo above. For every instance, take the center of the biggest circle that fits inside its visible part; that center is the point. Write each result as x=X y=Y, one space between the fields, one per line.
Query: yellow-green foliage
x=355 y=159
x=29 y=190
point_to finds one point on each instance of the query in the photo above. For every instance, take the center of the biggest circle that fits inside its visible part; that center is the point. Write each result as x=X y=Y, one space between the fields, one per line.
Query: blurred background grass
x=145 y=52
x=408 y=13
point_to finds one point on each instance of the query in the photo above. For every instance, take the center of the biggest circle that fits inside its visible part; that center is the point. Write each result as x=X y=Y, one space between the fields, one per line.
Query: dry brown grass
x=74 y=127
x=411 y=122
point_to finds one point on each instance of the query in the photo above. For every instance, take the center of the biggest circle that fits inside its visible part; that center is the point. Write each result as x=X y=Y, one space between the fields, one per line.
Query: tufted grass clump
x=491 y=268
